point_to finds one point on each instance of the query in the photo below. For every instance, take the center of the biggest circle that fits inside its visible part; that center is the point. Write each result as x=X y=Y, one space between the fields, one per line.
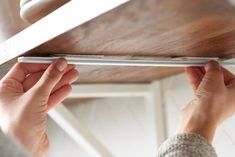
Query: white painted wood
x=32 y=10
x=154 y=107
x=156 y=115
x=64 y=118
x=120 y=123
x=110 y=90
x=65 y=18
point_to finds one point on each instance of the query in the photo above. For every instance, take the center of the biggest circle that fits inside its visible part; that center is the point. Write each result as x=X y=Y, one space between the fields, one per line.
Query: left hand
x=214 y=100
x=27 y=93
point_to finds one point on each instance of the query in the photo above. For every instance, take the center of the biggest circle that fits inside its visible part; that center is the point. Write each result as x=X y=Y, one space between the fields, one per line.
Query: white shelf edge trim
x=148 y=62
x=67 y=17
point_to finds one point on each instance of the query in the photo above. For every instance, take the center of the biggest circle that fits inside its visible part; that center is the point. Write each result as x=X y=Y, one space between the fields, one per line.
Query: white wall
x=121 y=124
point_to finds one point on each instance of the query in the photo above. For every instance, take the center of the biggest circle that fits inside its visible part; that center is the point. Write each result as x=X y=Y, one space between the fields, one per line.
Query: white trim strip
x=150 y=62
x=156 y=115
x=65 y=18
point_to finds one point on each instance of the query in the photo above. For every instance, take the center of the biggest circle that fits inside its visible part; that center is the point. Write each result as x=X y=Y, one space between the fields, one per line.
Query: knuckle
x=6 y=84
x=9 y=84
x=52 y=74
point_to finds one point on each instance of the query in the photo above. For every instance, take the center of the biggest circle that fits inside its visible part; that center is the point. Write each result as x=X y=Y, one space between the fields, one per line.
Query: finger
x=213 y=79
x=21 y=70
x=58 y=96
x=213 y=67
x=194 y=75
x=51 y=77
x=228 y=76
x=68 y=78
x=32 y=79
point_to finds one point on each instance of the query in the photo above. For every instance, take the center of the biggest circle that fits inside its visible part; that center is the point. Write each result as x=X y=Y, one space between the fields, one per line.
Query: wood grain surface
x=113 y=74
x=149 y=28
x=154 y=28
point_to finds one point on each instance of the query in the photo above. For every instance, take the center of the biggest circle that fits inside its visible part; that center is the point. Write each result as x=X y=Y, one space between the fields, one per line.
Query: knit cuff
x=183 y=145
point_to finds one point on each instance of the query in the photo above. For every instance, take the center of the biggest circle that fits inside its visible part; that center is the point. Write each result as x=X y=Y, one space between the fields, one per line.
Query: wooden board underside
x=149 y=28
x=154 y=28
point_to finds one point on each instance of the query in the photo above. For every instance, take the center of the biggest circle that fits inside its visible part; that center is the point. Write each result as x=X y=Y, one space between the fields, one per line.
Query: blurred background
x=122 y=125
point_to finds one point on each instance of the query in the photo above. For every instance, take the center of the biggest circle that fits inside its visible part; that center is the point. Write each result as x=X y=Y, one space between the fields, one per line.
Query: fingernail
x=61 y=64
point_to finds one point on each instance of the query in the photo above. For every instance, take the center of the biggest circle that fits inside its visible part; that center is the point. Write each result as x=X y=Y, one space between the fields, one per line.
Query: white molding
x=156 y=115
x=152 y=94
x=67 y=17
x=65 y=119
x=109 y=90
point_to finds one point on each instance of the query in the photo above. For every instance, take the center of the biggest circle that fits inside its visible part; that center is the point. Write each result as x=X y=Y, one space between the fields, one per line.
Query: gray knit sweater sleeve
x=186 y=145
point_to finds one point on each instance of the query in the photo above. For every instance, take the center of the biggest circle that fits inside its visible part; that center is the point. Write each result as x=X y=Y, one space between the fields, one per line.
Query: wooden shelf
x=144 y=28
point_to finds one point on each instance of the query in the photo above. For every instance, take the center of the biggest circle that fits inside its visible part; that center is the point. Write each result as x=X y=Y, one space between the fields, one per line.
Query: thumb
x=51 y=77
x=213 y=79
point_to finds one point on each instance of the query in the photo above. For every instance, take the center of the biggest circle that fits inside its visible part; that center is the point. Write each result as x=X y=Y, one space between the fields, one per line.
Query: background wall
x=121 y=124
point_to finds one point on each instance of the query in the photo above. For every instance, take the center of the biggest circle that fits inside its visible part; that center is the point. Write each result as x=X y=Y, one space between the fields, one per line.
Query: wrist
x=39 y=148
x=198 y=121
x=35 y=145
x=206 y=130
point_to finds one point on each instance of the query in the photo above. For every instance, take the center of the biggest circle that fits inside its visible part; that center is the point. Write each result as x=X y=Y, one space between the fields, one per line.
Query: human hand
x=27 y=93
x=214 y=100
